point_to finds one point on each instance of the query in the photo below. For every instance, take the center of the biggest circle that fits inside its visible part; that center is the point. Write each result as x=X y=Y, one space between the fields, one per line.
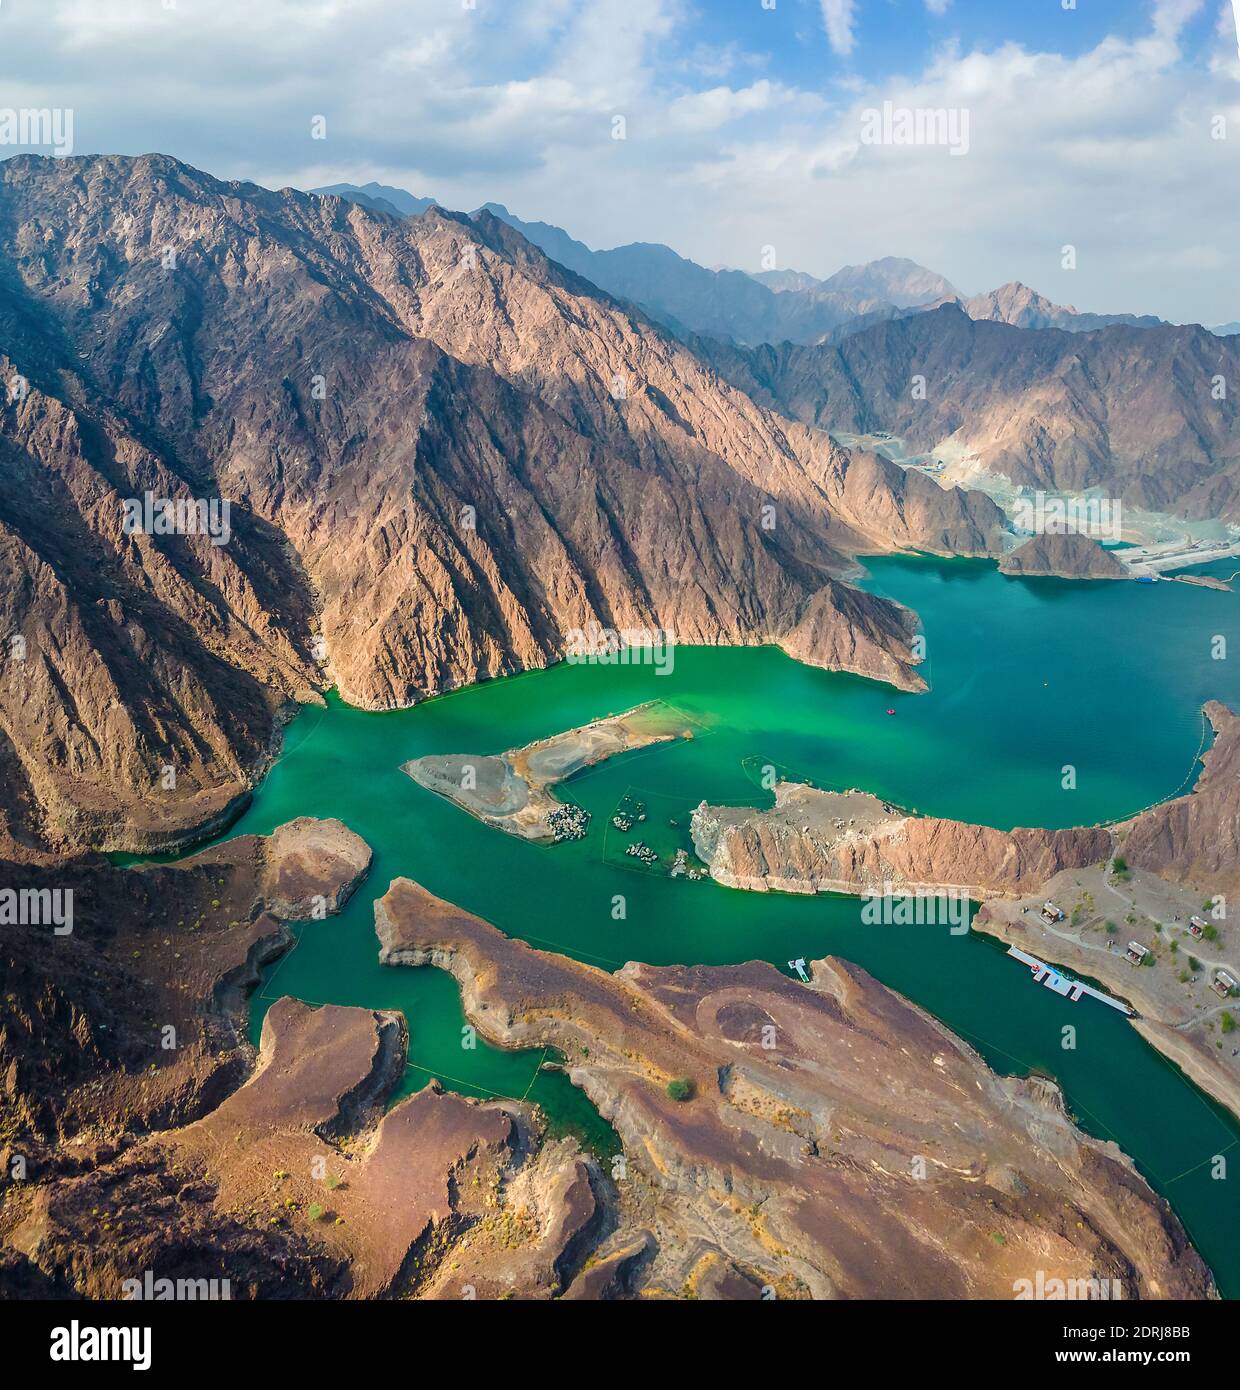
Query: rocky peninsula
x=829 y=1140
x=510 y=791
x=1143 y=879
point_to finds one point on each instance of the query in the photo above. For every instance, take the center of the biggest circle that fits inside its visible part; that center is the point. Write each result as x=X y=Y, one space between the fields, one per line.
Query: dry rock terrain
x=1134 y=411
x=813 y=841
x=830 y=1140
x=1067 y=554
x=441 y=452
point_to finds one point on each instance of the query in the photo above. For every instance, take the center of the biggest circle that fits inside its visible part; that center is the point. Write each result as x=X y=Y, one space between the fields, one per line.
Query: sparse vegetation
x=680 y=1088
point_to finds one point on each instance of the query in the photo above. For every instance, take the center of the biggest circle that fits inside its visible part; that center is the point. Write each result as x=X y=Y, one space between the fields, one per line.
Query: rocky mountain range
x=441 y=451
x=1022 y=307
x=1149 y=414
x=691 y=299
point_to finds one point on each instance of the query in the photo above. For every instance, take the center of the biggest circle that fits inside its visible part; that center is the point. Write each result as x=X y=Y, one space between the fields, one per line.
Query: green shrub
x=680 y=1089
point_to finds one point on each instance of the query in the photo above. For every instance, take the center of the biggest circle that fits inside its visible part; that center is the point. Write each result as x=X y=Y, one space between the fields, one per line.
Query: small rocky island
x=1067 y=555
x=510 y=790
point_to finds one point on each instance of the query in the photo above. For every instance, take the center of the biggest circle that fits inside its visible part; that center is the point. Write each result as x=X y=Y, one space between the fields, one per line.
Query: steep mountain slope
x=442 y=452
x=1138 y=411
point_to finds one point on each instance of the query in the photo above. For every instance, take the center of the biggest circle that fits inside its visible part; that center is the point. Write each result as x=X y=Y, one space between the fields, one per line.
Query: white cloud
x=938 y=7
x=1170 y=16
x=838 y=18
x=700 y=111
x=1109 y=149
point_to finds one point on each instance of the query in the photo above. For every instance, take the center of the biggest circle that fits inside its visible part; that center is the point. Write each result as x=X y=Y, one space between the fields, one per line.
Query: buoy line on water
x=1197 y=757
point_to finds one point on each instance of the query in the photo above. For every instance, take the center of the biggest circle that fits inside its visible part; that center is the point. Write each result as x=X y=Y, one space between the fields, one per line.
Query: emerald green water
x=1027 y=676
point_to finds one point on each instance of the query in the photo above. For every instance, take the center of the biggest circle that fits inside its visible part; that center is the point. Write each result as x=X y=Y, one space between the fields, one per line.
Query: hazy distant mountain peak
x=772 y=306
x=381 y=197
x=1023 y=307
x=893 y=279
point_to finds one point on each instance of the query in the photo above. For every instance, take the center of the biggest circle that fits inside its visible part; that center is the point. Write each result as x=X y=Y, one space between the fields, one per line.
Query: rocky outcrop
x=133 y=1020
x=822 y=1141
x=813 y=841
x=1195 y=839
x=311 y=867
x=1067 y=554
x=437 y=1195
x=1022 y=307
x=299 y=1184
x=441 y=451
x=144 y=1149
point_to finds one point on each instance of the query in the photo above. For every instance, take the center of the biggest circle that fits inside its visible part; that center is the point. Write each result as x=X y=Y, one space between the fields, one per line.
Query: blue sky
x=1111 y=127
x=892 y=36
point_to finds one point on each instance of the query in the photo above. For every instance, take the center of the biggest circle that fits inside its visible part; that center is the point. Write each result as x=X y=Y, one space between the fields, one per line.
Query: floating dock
x=1065 y=985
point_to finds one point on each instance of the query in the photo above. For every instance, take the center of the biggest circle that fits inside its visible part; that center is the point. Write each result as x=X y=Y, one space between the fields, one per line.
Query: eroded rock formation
x=813 y=841
x=806 y=1116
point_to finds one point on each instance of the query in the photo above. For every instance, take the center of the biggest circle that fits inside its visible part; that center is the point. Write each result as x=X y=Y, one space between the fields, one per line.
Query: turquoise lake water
x=1027 y=677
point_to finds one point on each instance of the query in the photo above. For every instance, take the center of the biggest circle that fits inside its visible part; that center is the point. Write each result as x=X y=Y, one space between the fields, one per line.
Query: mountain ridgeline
x=441 y=450
x=1148 y=414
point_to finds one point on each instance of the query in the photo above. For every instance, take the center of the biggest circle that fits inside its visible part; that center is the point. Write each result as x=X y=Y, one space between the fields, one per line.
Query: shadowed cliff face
x=441 y=453
x=1134 y=410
